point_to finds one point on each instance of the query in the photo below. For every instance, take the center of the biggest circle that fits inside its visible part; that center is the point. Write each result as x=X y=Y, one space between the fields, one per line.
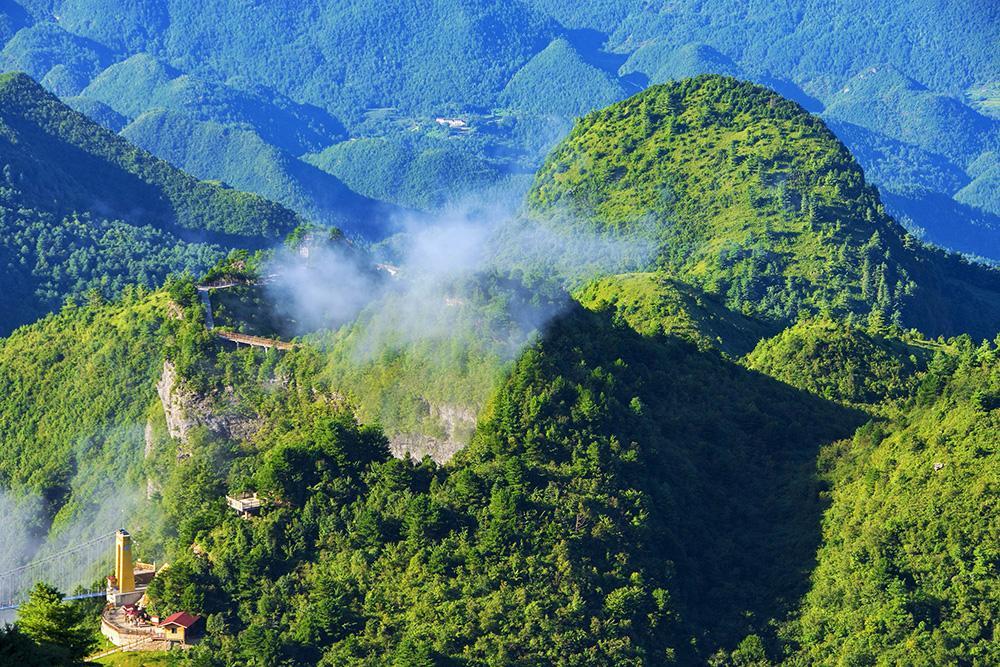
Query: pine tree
x=59 y=628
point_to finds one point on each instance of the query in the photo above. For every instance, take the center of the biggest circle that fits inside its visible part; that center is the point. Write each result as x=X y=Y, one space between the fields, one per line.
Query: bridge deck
x=256 y=341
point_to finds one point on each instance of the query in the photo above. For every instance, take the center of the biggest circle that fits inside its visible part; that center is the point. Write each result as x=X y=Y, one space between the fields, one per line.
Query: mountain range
x=84 y=210
x=289 y=117
x=700 y=399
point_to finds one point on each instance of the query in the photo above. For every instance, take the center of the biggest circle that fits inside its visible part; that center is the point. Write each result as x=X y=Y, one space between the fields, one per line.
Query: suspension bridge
x=78 y=571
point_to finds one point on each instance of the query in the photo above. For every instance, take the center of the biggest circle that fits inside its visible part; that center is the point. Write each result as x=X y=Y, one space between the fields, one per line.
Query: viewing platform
x=245 y=503
x=128 y=632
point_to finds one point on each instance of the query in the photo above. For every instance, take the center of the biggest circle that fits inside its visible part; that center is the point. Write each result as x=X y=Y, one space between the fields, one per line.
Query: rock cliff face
x=185 y=410
x=458 y=423
x=220 y=413
x=152 y=488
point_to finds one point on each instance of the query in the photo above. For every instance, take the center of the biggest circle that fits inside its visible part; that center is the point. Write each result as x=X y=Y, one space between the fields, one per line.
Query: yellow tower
x=124 y=572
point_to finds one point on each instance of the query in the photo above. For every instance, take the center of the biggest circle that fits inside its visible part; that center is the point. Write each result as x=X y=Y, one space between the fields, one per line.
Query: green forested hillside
x=423 y=172
x=909 y=112
x=983 y=191
x=661 y=63
x=624 y=501
x=75 y=388
x=47 y=257
x=750 y=197
x=82 y=209
x=346 y=57
x=90 y=169
x=557 y=81
x=841 y=362
x=628 y=498
x=776 y=39
x=13 y=17
x=142 y=83
x=241 y=159
x=815 y=43
x=748 y=454
x=98 y=112
x=908 y=568
x=655 y=305
x=250 y=139
x=45 y=49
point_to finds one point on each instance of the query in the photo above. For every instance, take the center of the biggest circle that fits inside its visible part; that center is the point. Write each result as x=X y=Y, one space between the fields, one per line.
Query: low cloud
x=417 y=294
x=65 y=551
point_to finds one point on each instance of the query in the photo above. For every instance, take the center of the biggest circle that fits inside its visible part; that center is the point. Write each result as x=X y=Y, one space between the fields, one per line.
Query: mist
x=101 y=501
x=415 y=287
x=22 y=529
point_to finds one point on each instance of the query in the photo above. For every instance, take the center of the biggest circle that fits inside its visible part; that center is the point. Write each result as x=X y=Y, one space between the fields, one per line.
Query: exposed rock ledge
x=185 y=410
x=458 y=422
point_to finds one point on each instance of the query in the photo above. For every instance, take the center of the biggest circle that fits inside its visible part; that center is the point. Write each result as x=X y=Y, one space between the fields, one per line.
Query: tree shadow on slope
x=676 y=469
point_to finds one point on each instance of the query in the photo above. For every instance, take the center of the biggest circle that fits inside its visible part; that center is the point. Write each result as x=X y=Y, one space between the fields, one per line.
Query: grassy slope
x=653 y=304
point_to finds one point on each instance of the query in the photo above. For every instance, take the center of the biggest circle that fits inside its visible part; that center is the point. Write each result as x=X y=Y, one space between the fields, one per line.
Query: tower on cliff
x=124 y=570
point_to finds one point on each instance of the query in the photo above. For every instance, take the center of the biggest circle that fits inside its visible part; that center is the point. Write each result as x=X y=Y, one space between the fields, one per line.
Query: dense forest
x=82 y=210
x=356 y=80
x=750 y=197
x=773 y=442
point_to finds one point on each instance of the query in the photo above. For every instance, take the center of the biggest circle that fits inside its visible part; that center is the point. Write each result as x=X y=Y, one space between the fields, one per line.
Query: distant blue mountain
x=302 y=77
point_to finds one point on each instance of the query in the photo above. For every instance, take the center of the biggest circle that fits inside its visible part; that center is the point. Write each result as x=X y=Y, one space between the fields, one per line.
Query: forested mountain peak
x=749 y=196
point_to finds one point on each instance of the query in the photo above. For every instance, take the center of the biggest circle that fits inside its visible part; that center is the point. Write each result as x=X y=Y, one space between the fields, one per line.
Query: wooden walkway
x=256 y=341
x=238 y=338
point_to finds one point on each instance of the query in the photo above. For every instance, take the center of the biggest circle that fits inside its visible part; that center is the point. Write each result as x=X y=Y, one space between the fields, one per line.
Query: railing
x=79 y=565
x=256 y=341
x=131 y=646
x=244 y=503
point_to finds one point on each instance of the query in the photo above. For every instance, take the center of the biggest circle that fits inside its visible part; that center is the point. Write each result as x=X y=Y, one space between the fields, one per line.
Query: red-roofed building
x=180 y=627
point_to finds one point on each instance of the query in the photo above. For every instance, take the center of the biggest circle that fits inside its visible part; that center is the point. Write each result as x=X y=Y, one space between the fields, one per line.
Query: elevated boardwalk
x=204 y=291
x=255 y=341
x=219 y=284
